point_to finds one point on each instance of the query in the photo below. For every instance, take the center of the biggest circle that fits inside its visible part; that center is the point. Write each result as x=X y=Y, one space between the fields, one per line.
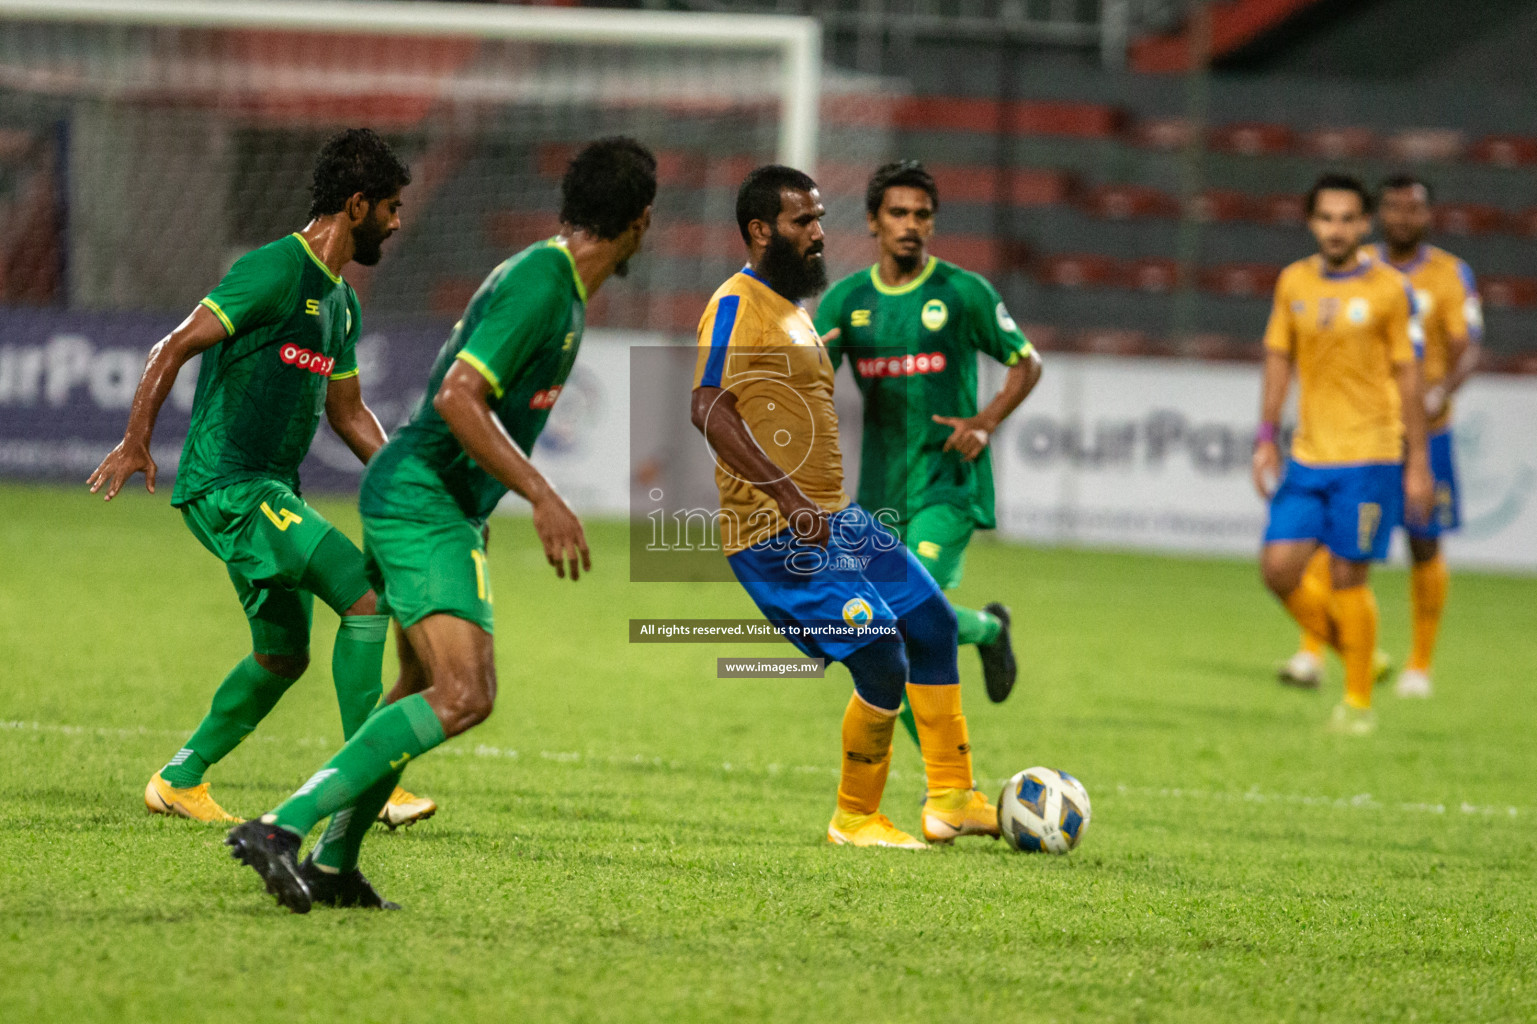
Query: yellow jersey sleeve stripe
x=485 y=371
x=345 y=374
x=1022 y=353
x=213 y=307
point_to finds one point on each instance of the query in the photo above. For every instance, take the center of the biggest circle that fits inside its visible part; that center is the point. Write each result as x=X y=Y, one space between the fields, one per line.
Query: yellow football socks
x=1428 y=583
x=867 y=733
x=1317 y=575
x=1309 y=605
x=1354 y=613
x=942 y=735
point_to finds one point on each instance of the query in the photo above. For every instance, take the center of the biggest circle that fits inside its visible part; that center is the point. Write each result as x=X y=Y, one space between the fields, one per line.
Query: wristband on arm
x=1266 y=434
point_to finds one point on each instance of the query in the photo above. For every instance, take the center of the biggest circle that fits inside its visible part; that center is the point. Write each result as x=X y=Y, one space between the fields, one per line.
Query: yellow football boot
x=868 y=830
x=160 y=797
x=949 y=814
x=1349 y=721
x=404 y=808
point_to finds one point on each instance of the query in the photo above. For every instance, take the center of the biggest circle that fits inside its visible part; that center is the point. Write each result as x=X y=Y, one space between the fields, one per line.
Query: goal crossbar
x=797 y=39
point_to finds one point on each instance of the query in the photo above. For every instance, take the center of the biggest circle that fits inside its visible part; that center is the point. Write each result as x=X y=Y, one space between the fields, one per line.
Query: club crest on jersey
x=934 y=314
x=1005 y=322
x=1425 y=301
x=544 y=399
x=901 y=366
x=304 y=359
x=1357 y=310
x=857 y=612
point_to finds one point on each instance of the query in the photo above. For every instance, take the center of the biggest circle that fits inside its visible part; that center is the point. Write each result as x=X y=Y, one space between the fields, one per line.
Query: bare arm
x=198 y=333
x=1266 y=465
x=970 y=435
x=714 y=413
x=1462 y=358
x=1419 y=486
x=353 y=421
x=463 y=401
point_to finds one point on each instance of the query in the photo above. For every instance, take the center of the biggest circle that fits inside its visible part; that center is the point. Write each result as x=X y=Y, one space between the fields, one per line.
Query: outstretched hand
x=119 y=467
x=560 y=531
x=967 y=435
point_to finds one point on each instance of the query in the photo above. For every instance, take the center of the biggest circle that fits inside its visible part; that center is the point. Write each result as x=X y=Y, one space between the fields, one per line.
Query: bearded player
x=425 y=499
x=912 y=326
x=1452 y=316
x=837 y=583
x=278 y=337
x=1345 y=322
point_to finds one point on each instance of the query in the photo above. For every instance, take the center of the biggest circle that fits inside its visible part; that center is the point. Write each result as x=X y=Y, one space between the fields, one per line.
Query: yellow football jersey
x=764 y=349
x=1449 y=307
x=1346 y=332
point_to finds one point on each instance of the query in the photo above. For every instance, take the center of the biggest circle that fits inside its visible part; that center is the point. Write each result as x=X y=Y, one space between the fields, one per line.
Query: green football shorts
x=425 y=569
x=280 y=554
x=938 y=535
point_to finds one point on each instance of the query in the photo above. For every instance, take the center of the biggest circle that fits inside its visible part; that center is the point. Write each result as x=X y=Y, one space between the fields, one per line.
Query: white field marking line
x=1359 y=802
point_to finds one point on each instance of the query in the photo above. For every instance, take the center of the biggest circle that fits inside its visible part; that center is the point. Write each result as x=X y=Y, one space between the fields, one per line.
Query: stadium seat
x=1220 y=205
x=1285 y=210
x=1426 y=145
x=1083 y=270
x=1128 y=202
x=1338 y=143
x=1022 y=117
x=1524 y=223
x=1505 y=151
x=1468 y=218
x=1165 y=133
x=1241 y=280
x=513 y=229
x=1155 y=274
x=1509 y=292
x=1254 y=139
x=1115 y=341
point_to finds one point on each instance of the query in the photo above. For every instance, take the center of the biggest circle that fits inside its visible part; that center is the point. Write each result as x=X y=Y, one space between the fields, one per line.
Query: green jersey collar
x=886 y=289
x=335 y=278
x=581 y=289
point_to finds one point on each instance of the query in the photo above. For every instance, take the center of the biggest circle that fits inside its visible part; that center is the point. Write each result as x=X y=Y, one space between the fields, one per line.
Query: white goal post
x=797 y=39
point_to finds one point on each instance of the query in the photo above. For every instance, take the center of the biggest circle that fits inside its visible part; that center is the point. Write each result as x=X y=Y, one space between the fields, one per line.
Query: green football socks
x=245 y=697
x=397 y=733
x=974 y=627
x=343 y=838
x=357 y=662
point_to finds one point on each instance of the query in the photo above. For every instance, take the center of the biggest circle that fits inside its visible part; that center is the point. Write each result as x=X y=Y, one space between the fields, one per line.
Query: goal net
x=144 y=144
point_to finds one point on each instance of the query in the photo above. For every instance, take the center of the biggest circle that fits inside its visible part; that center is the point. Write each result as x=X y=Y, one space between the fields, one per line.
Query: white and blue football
x=1042 y=810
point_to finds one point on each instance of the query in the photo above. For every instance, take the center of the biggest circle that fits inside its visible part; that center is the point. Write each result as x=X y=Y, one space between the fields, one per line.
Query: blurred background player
x=807 y=555
x=279 y=337
x=1346 y=323
x=912 y=325
x=425 y=500
x=1451 y=315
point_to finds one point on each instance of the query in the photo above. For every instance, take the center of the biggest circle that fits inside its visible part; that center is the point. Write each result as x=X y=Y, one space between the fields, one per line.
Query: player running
x=279 y=337
x=1452 y=316
x=808 y=557
x=425 y=499
x=1346 y=322
x=912 y=326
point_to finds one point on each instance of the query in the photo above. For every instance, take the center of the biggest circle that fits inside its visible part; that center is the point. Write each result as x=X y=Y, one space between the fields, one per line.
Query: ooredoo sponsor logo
x=304 y=359
x=901 y=366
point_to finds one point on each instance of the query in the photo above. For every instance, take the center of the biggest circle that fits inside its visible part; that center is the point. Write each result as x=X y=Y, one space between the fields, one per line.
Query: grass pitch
x=629 y=838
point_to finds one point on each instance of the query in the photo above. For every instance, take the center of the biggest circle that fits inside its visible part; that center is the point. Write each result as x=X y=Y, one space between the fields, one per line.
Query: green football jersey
x=914 y=354
x=521 y=331
x=293 y=327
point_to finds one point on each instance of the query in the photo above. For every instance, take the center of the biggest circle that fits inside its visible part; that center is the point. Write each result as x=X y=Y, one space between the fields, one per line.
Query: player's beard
x=368 y=242
x=789 y=273
x=906 y=262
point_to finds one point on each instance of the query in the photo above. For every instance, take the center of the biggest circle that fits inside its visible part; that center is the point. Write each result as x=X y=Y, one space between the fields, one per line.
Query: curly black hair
x=607 y=186
x=1395 y=182
x=1339 y=183
x=353 y=161
x=908 y=173
x=759 y=196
